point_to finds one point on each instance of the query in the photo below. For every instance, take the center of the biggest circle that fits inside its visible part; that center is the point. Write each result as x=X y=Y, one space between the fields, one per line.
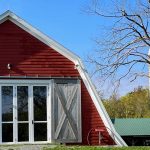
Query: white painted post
x=15 y=117
x=31 y=125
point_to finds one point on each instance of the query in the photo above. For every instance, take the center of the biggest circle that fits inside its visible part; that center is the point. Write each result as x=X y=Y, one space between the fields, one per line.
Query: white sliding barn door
x=66 y=111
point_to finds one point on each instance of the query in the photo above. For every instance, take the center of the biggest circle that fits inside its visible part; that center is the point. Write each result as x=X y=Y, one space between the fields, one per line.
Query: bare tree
x=125 y=45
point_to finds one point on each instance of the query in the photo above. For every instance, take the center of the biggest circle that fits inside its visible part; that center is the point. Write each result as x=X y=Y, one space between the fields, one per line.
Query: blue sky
x=66 y=22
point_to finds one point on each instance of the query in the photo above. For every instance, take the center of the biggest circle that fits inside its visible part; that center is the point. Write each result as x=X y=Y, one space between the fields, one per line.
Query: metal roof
x=132 y=126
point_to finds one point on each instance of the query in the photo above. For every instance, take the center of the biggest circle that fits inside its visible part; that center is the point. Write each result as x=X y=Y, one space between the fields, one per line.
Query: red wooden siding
x=91 y=120
x=30 y=57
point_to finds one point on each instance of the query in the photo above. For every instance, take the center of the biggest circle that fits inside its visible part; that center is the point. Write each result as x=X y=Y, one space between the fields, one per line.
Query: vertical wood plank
x=79 y=112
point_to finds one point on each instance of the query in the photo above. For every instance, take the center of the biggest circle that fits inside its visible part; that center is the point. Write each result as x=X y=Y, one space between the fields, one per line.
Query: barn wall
x=30 y=57
x=91 y=120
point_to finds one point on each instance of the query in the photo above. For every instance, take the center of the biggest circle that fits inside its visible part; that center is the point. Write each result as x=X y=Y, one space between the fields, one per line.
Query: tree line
x=135 y=104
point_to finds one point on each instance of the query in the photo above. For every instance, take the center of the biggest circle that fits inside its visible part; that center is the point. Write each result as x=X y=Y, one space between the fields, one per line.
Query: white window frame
x=30 y=84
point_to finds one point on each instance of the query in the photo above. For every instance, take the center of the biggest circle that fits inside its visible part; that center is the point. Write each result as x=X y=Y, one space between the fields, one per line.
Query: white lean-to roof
x=8 y=15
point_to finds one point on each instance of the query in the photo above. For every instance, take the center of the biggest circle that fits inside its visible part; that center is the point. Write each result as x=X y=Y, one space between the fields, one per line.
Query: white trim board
x=8 y=15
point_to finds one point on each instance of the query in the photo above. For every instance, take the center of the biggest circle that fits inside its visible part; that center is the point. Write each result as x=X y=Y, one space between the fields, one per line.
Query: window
x=25 y=115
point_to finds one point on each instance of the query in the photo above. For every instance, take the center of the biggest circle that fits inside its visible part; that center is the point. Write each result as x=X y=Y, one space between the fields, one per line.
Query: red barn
x=46 y=95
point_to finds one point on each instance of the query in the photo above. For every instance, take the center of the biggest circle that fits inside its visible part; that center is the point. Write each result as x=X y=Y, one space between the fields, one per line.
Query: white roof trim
x=8 y=15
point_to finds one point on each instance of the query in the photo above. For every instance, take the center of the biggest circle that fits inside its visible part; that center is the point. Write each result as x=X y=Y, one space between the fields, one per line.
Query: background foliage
x=135 y=104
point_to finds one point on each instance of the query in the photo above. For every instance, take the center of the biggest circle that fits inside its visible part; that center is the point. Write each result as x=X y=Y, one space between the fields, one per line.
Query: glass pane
x=40 y=131
x=7 y=132
x=23 y=132
x=22 y=102
x=39 y=98
x=7 y=103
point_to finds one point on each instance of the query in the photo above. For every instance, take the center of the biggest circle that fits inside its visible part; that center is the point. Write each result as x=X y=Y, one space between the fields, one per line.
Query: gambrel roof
x=8 y=15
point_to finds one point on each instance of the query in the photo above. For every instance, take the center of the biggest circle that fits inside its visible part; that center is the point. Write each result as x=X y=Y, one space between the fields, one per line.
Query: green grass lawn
x=97 y=148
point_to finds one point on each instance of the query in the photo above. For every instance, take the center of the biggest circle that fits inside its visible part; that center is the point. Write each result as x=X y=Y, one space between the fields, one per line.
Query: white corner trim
x=8 y=15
